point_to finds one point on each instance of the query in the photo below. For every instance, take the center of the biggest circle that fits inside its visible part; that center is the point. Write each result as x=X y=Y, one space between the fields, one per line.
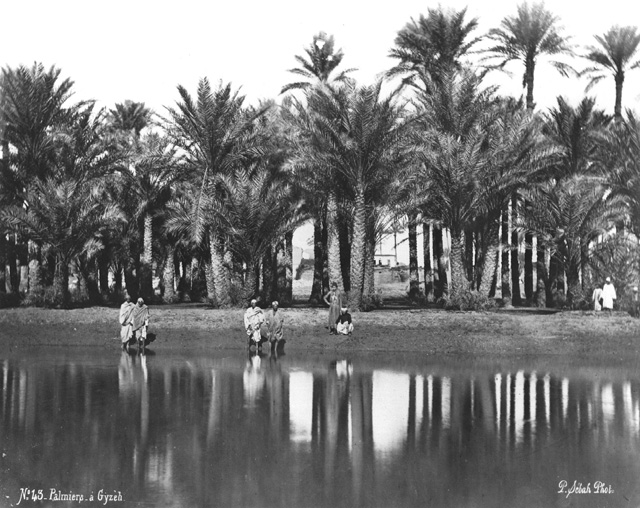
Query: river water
x=300 y=430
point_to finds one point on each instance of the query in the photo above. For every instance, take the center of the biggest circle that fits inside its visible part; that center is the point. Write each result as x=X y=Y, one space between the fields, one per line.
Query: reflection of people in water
x=253 y=319
x=253 y=378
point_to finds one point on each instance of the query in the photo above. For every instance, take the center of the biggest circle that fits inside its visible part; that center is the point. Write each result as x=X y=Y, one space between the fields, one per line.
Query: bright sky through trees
x=140 y=50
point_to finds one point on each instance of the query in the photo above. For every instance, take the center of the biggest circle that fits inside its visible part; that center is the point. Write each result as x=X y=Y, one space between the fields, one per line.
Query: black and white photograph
x=326 y=254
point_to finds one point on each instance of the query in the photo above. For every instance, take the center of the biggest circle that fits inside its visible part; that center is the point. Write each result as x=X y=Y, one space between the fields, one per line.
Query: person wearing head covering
x=608 y=295
x=126 y=321
x=140 y=322
x=344 y=326
x=253 y=319
x=597 y=298
x=334 y=300
x=273 y=320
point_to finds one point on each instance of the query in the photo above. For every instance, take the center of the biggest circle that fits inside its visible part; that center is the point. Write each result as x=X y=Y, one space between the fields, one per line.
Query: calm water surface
x=229 y=429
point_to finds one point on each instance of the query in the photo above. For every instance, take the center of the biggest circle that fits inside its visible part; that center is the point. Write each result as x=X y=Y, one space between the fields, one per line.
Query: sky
x=141 y=50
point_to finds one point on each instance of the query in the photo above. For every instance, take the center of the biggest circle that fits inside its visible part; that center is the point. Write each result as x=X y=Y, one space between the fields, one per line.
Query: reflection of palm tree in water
x=133 y=382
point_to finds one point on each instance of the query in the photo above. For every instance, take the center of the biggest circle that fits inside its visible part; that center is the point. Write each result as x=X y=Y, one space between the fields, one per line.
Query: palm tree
x=153 y=172
x=619 y=161
x=64 y=217
x=531 y=33
x=431 y=47
x=34 y=105
x=322 y=59
x=615 y=54
x=567 y=216
x=359 y=135
x=473 y=157
x=130 y=116
x=215 y=133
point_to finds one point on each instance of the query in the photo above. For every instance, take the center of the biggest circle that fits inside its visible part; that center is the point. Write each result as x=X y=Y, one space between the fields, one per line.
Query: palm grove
x=204 y=197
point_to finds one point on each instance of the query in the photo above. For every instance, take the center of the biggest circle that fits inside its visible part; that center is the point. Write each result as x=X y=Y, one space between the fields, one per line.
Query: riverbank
x=195 y=327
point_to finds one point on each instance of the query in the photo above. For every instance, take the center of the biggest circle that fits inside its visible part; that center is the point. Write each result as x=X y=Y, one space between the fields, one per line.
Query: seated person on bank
x=344 y=326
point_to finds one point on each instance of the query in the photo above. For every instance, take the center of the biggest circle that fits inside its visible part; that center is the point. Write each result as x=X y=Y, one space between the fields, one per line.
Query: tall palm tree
x=130 y=116
x=216 y=133
x=615 y=55
x=432 y=46
x=567 y=216
x=358 y=134
x=619 y=161
x=533 y=32
x=473 y=157
x=322 y=59
x=34 y=104
x=65 y=217
x=152 y=175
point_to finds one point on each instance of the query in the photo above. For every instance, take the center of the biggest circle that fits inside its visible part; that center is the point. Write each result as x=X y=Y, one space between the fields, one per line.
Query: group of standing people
x=134 y=321
x=254 y=318
x=603 y=297
x=256 y=321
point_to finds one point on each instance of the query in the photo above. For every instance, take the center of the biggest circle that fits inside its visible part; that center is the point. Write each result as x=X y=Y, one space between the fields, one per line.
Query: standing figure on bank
x=274 y=321
x=126 y=322
x=608 y=295
x=253 y=319
x=140 y=323
x=596 y=297
x=334 y=300
x=635 y=302
x=344 y=326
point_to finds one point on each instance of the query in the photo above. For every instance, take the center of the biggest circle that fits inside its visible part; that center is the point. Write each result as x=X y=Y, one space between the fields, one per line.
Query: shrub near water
x=468 y=300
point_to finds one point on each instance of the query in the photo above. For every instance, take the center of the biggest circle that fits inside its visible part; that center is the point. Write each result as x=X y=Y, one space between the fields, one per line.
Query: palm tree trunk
x=103 y=272
x=3 y=265
x=438 y=253
x=268 y=271
x=288 y=268
x=169 y=277
x=515 y=252
x=219 y=272
x=345 y=238
x=506 y=286
x=146 y=275
x=250 y=283
x=541 y=275
x=428 y=270
x=333 y=242
x=573 y=284
x=61 y=283
x=12 y=261
x=325 y=255
x=357 y=250
x=489 y=262
x=316 y=286
x=619 y=78
x=369 y=263
x=281 y=270
x=211 y=286
x=529 y=74
x=414 y=278
x=528 y=266
x=117 y=278
x=458 y=279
